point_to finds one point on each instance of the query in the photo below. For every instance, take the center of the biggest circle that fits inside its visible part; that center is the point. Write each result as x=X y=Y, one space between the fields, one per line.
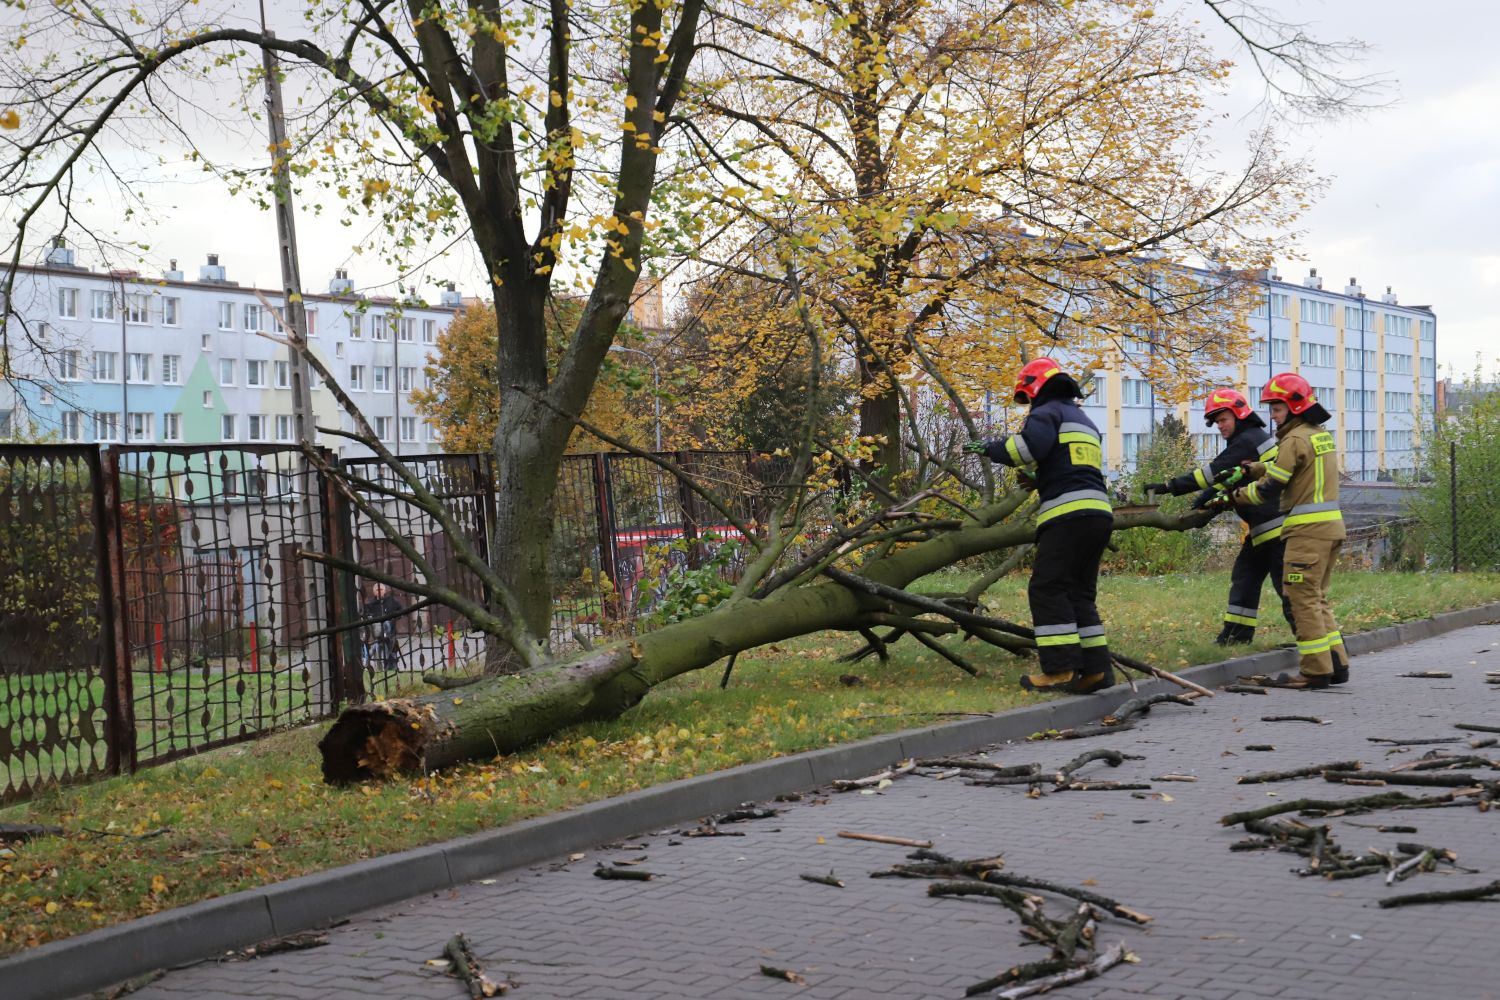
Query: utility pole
x=291 y=273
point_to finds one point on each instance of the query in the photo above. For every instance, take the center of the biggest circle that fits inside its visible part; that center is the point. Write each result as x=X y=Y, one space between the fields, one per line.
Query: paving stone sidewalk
x=1227 y=925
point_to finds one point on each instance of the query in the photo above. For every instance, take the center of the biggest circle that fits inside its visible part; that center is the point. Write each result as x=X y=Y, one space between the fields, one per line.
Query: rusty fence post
x=118 y=686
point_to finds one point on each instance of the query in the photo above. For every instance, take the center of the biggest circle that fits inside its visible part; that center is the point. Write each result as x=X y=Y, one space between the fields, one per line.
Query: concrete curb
x=206 y=929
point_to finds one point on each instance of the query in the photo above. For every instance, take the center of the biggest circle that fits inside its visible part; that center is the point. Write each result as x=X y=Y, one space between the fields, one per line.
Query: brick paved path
x=1228 y=925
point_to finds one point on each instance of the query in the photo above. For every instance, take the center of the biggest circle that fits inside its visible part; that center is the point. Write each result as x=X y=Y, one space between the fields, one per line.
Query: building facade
x=128 y=358
x=1372 y=365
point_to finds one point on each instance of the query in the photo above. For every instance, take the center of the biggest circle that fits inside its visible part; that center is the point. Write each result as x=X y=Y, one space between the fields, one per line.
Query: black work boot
x=1340 y=673
x=1303 y=682
x=1234 y=634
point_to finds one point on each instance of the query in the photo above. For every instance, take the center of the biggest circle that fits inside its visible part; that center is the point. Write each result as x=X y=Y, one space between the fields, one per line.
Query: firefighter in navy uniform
x=1304 y=477
x=1260 y=553
x=1059 y=448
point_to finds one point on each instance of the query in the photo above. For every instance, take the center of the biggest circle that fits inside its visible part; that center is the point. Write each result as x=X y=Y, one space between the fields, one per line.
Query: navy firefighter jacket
x=1059 y=446
x=1247 y=444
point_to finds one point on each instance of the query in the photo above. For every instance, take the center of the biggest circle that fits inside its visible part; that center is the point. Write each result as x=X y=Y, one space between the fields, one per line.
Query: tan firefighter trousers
x=1306 y=570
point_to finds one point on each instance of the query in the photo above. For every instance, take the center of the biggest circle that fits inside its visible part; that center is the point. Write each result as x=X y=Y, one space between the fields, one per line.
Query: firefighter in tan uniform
x=1304 y=475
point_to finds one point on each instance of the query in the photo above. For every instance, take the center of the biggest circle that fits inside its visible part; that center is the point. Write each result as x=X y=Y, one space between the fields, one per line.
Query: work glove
x=975 y=448
x=1231 y=477
x=1253 y=471
x=1024 y=480
x=1155 y=487
x=1219 y=503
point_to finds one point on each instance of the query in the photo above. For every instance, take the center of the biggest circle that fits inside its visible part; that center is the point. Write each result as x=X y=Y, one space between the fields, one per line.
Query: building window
x=1398 y=440
x=283 y=374
x=1257 y=352
x=1313 y=311
x=1281 y=305
x=1397 y=364
x=1429 y=368
x=357 y=377
x=1136 y=392
x=226 y=371
x=171 y=427
x=252 y=318
x=338 y=349
x=138 y=368
x=1427 y=329
x=1135 y=444
x=429 y=331
x=72 y=425
x=383 y=428
x=68 y=364
x=283 y=427
x=408 y=428
x=1322 y=355
x=1398 y=402
x=171 y=311
x=67 y=303
x=1353 y=440
x=255 y=427
x=356 y=326
x=1359 y=399
x=407 y=329
x=1325 y=394
x=204 y=344
x=106 y=426
x=379 y=330
x=408 y=381
x=255 y=374
x=208 y=399
x=138 y=427
x=137 y=308
x=1352 y=359
x=312 y=321
x=382 y=378
x=226 y=315
x=1397 y=326
x=1281 y=351
x=103 y=306
x=226 y=427
x=46 y=398
x=171 y=369
x=106 y=366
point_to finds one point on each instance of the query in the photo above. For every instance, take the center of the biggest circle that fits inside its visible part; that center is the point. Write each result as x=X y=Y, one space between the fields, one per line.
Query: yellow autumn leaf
x=158 y=885
x=261 y=845
x=9 y=119
x=631 y=103
x=52 y=907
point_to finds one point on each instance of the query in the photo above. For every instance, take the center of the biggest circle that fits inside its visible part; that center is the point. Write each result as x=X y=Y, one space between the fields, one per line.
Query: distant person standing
x=1305 y=477
x=1060 y=449
x=380 y=636
x=1246 y=440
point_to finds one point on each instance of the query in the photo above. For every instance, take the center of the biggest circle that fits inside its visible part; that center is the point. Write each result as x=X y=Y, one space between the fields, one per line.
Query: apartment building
x=130 y=358
x=1371 y=363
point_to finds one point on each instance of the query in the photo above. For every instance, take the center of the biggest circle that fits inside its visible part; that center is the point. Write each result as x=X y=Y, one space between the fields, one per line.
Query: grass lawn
x=257 y=813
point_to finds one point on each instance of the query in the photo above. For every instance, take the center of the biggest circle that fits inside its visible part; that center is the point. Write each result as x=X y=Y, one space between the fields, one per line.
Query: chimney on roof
x=1389 y=298
x=1312 y=280
x=1353 y=288
x=60 y=255
x=213 y=270
x=171 y=273
x=340 y=284
x=451 y=299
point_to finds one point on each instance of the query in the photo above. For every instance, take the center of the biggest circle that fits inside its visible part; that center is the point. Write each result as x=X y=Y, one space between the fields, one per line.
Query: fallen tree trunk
x=501 y=714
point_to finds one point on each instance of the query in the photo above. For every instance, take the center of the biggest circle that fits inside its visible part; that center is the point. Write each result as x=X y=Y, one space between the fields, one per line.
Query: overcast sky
x=1413 y=200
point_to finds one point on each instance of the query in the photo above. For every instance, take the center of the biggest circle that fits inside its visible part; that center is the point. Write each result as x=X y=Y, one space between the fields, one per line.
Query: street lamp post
x=1364 y=401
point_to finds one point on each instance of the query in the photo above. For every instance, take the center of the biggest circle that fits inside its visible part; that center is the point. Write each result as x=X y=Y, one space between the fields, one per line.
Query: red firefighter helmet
x=1224 y=398
x=1032 y=376
x=1291 y=389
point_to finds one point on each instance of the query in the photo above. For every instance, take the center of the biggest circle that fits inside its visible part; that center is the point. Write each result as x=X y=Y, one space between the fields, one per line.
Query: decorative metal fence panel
x=60 y=701
x=413 y=638
x=207 y=557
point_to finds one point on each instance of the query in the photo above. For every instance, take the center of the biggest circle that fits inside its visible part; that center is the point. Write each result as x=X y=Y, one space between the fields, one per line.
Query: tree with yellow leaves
x=985 y=180
x=462 y=394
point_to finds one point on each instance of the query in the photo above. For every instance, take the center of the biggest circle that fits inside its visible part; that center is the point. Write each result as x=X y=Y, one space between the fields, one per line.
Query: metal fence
x=155 y=601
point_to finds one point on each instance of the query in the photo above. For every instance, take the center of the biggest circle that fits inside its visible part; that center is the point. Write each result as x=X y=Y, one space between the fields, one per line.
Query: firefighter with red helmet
x=1246 y=440
x=1304 y=477
x=1060 y=449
